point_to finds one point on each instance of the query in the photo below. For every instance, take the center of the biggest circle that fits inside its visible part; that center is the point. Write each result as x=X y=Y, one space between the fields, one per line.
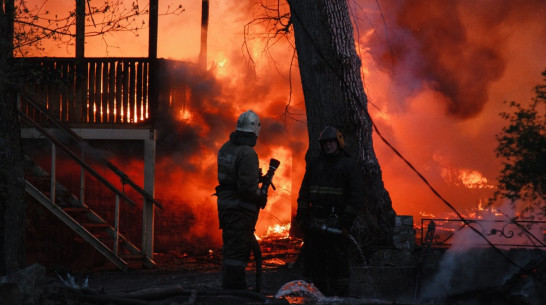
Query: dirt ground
x=179 y=279
x=196 y=279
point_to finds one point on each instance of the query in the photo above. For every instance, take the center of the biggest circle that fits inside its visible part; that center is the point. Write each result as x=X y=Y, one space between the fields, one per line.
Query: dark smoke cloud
x=180 y=140
x=456 y=47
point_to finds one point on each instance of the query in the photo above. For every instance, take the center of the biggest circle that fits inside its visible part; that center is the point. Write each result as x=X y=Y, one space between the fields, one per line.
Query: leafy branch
x=522 y=148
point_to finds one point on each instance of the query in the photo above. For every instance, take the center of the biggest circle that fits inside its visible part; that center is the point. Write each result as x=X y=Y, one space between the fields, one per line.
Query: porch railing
x=89 y=90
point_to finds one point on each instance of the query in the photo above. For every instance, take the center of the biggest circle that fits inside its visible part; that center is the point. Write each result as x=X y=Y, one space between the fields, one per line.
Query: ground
x=176 y=278
x=196 y=279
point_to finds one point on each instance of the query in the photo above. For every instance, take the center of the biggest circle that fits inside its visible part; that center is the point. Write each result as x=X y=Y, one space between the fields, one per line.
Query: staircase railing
x=50 y=202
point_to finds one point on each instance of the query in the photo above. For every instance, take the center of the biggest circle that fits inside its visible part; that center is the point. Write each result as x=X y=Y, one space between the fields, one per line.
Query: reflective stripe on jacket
x=331 y=183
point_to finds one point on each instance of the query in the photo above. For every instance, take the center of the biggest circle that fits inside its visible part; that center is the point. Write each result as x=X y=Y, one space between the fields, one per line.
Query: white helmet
x=249 y=121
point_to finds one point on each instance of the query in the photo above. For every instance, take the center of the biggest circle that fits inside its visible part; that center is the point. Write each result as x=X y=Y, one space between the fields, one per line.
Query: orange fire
x=278 y=231
x=408 y=78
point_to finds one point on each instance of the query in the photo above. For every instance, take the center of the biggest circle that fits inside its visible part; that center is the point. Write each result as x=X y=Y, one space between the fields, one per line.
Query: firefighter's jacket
x=238 y=172
x=331 y=186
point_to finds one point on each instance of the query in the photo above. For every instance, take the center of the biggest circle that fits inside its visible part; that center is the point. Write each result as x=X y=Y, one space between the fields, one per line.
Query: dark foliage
x=522 y=147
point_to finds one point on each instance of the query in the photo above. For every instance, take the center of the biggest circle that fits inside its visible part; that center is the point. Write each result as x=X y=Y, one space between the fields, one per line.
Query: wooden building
x=69 y=101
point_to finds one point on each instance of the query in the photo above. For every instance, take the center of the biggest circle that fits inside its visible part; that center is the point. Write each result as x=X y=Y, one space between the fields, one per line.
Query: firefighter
x=239 y=198
x=330 y=197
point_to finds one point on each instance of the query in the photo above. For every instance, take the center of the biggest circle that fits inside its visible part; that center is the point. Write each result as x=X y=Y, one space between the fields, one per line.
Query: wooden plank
x=72 y=92
x=104 y=98
x=125 y=103
x=119 y=90
x=55 y=94
x=132 y=93
x=138 y=113
x=64 y=91
x=145 y=89
x=81 y=91
x=111 y=92
x=45 y=88
x=90 y=101
x=98 y=92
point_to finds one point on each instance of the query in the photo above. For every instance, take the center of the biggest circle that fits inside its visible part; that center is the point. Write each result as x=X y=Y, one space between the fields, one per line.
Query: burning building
x=435 y=85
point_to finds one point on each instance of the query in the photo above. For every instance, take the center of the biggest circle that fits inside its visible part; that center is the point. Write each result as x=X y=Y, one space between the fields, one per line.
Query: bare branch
x=33 y=25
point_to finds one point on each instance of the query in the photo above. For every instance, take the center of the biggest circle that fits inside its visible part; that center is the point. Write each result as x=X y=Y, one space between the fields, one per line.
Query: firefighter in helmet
x=239 y=198
x=330 y=197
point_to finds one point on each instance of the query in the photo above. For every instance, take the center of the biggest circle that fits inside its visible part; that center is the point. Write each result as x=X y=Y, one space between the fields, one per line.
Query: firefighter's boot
x=233 y=278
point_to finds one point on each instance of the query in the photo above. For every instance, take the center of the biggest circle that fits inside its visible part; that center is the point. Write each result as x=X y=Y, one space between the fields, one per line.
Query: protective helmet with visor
x=249 y=122
x=332 y=133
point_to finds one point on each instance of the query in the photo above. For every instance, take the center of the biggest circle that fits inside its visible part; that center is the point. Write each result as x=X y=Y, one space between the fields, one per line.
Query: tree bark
x=12 y=187
x=334 y=95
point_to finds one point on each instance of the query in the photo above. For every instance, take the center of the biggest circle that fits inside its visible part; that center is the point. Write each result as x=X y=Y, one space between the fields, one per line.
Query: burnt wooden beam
x=204 y=32
x=80 y=28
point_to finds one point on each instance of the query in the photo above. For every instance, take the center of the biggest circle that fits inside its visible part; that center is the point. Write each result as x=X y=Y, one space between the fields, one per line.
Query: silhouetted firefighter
x=240 y=198
x=330 y=197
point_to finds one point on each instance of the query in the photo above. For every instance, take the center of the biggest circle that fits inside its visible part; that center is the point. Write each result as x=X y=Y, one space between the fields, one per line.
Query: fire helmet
x=332 y=133
x=249 y=122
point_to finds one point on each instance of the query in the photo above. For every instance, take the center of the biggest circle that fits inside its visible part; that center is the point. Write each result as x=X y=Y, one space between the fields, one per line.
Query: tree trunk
x=12 y=187
x=334 y=95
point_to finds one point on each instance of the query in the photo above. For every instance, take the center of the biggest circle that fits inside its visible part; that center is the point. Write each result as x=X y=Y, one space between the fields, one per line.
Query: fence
x=507 y=233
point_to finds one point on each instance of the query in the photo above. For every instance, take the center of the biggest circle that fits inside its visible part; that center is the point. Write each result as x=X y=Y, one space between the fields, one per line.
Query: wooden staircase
x=74 y=212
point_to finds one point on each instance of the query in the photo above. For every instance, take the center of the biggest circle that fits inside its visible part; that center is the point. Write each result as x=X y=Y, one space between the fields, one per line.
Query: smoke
x=437 y=75
x=470 y=264
x=456 y=48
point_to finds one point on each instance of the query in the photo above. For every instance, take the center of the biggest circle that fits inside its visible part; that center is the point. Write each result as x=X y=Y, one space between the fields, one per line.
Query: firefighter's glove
x=262 y=199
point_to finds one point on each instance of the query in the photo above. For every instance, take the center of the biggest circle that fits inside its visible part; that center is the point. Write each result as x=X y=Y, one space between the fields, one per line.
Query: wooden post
x=149 y=146
x=152 y=43
x=112 y=92
x=149 y=183
x=152 y=55
x=81 y=76
x=204 y=30
x=80 y=28
x=138 y=101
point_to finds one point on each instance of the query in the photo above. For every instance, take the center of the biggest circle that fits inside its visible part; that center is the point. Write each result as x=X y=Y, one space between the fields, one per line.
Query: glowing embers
x=185 y=115
x=278 y=231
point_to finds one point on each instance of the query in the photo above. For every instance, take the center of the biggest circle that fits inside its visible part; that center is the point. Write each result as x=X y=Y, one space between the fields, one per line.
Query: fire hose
x=257 y=253
x=266 y=180
x=325 y=229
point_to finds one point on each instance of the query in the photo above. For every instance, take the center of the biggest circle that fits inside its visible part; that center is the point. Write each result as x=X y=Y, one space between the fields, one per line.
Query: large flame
x=436 y=75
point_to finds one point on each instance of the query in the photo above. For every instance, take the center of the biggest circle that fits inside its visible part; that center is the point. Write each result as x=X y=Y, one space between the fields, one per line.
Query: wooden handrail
x=76 y=158
x=125 y=179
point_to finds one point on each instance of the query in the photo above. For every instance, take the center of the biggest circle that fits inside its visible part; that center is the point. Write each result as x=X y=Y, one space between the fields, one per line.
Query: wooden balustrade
x=90 y=90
